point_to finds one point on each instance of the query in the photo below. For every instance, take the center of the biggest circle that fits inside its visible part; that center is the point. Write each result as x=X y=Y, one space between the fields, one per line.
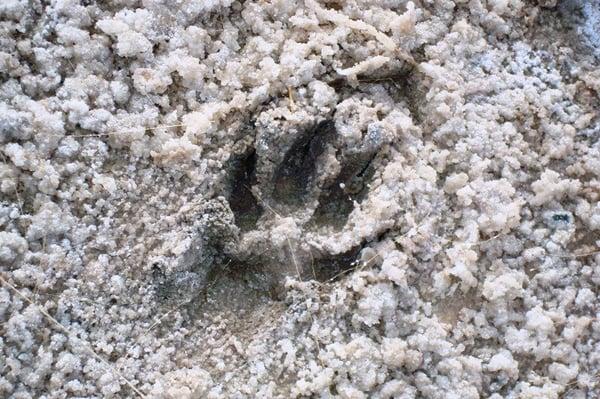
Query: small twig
x=84 y=344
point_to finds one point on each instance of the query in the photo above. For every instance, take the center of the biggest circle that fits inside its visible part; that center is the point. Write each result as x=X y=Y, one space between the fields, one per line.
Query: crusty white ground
x=480 y=269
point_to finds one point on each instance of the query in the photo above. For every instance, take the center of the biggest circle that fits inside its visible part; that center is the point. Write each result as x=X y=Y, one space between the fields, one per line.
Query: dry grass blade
x=294 y=258
x=83 y=344
x=127 y=131
x=574 y=256
x=352 y=269
x=312 y=265
x=291 y=97
x=572 y=383
x=289 y=242
x=164 y=316
x=116 y=132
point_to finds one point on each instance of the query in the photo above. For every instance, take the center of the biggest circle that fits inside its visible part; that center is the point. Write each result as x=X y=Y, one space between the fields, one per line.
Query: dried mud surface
x=277 y=199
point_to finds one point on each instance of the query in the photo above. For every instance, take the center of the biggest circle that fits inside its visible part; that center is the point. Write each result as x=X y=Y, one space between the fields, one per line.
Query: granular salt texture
x=418 y=183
